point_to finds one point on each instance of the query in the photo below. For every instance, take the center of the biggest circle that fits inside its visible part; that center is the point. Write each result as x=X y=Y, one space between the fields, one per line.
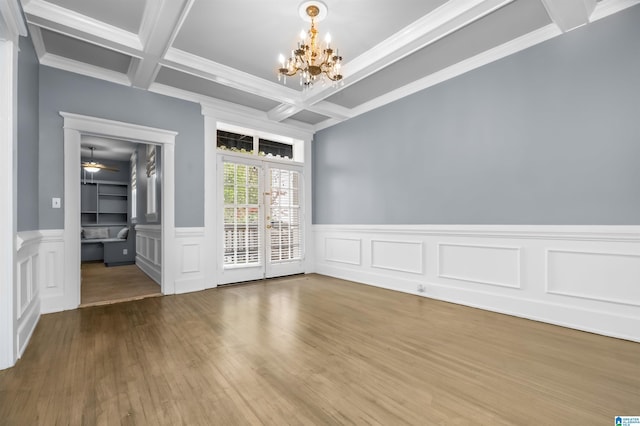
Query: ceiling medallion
x=311 y=60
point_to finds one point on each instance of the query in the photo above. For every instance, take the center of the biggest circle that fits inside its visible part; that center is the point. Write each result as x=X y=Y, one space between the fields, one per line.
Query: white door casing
x=12 y=27
x=75 y=126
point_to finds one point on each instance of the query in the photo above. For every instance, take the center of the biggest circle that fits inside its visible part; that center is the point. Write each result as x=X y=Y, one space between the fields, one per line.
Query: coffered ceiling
x=225 y=52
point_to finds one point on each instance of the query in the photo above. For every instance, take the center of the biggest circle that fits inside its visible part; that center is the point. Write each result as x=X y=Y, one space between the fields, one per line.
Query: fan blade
x=99 y=166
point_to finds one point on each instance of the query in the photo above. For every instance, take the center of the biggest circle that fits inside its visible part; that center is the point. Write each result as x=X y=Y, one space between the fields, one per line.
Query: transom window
x=235 y=139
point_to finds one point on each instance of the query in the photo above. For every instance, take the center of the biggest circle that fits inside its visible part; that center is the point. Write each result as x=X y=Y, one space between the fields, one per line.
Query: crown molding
x=236 y=114
x=36 y=39
x=82 y=68
x=76 y=25
x=605 y=8
x=12 y=25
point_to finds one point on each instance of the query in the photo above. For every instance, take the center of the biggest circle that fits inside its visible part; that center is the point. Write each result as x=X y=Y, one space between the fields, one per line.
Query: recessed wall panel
x=404 y=256
x=493 y=265
x=613 y=277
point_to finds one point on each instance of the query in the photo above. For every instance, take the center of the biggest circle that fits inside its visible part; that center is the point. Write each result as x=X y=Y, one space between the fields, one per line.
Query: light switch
x=55 y=203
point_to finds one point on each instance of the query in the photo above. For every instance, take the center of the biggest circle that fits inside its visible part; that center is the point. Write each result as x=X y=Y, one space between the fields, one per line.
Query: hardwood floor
x=314 y=350
x=102 y=285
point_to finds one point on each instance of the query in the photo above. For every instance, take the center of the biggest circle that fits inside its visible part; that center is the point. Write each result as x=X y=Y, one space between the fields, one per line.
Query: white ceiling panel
x=124 y=14
x=191 y=83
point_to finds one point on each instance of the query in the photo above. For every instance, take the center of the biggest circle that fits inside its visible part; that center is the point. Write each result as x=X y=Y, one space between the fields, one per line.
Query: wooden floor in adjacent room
x=314 y=350
x=103 y=285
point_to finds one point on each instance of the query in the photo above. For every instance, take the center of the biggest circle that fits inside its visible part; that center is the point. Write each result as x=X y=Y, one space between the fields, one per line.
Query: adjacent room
x=113 y=203
x=320 y=212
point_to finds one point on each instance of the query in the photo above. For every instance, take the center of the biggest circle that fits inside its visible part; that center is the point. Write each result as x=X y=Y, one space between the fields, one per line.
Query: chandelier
x=310 y=59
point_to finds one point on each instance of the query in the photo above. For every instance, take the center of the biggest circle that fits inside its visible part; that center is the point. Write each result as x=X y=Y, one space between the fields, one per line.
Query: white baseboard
x=580 y=277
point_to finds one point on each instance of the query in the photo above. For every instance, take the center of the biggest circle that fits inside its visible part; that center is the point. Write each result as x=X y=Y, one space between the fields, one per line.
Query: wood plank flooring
x=314 y=350
x=102 y=285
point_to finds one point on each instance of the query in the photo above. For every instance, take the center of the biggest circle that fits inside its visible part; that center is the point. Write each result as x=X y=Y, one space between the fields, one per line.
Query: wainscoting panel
x=600 y=276
x=583 y=277
x=480 y=264
x=27 y=286
x=54 y=295
x=190 y=274
x=402 y=256
x=148 y=256
x=342 y=250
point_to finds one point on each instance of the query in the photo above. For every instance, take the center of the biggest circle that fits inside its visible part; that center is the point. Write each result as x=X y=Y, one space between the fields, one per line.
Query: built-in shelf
x=104 y=203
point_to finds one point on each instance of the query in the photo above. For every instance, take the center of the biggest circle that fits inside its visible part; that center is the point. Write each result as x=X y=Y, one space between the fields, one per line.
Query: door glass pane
x=241 y=215
x=285 y=215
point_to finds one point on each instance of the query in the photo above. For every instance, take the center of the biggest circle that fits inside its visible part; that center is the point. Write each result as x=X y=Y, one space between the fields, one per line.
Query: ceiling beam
x=161 y=23
x=55 y=18
x=569 y=14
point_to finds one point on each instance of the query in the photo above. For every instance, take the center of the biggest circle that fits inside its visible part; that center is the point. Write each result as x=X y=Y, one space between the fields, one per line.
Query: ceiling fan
x=94 y=167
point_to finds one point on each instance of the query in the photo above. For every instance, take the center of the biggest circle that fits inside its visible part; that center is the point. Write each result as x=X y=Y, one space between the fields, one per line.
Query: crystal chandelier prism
x=313 y=61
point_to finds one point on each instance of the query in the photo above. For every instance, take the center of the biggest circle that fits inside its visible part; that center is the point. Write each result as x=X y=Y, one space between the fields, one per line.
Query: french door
x=260 y=219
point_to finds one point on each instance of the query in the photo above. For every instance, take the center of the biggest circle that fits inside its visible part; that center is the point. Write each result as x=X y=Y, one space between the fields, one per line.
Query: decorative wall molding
x=28 y=274
x=482 y=264
x=54 y=290
x=582 y=277
x=148 y=250
x=343 y=250
x=190 y=270
x=402 y=256
x=610 y=276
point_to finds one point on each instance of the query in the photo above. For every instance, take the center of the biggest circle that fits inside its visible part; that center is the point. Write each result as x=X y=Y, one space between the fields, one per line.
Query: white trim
x=11 y=23
x=82 y=68
x=417 y=270
x=74 y=126
x=440 y=274
x=8 y=177
x=578 y=294
x=612 y=233
x=605 y=8
x=65 y=21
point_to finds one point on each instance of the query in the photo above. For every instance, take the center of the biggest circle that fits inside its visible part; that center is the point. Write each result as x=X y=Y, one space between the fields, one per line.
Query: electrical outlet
x=421 y=288
x=125 y=251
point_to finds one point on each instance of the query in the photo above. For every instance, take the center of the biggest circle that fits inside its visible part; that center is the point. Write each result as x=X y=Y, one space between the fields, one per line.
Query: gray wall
x=68 y=92
x=27 y=151
x=550 y=135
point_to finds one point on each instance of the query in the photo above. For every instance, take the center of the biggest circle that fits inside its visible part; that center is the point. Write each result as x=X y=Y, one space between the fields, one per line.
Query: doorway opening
x=154 y=241
x=118 y=190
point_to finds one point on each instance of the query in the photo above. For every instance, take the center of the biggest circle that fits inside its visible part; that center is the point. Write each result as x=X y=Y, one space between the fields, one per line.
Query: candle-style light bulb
x=327 y=39
x=303 y=35
x=281 y=59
